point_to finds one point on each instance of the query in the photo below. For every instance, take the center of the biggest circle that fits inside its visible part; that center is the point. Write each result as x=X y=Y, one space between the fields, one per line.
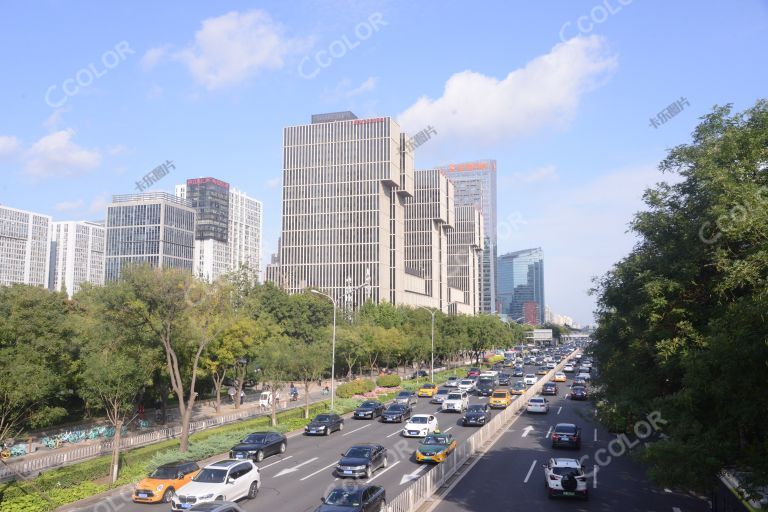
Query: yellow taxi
x=500 y=399
x=560 y=377
x=164 y=482
x=428 y=390
x=518 y=388
x=435 y=447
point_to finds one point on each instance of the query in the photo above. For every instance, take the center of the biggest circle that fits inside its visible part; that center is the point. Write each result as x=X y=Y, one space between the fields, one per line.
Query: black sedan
x=484 y=389
x=549 y=388
x=578 y=393
x=519 y=371
x=397 y=413
x=369 y=410
x=566 y=435
x=362 y=460
x=355 y=499
x=324 y=424
x=476 y=415
x=258 y=445
x=504 y=379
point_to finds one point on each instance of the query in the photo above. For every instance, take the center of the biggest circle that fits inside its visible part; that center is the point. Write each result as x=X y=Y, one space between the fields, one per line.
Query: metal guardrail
x=418 y=492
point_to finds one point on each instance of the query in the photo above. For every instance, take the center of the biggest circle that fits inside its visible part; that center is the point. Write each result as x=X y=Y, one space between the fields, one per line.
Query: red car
x=473 y=372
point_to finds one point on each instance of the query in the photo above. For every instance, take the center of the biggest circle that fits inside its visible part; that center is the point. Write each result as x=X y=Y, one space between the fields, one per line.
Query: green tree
x=682 y=327
x=273 y=352
x=230 y=351
x=308 y=363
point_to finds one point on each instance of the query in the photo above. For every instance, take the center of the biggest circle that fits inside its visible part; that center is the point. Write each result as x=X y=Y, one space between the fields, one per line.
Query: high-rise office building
x=521 y=285
x=345 y=181
x=228 y=229
x=25 y=247
x=77 y=255
x=154 y=228
x=465 y=259
x=475 y=184
x=428 y=220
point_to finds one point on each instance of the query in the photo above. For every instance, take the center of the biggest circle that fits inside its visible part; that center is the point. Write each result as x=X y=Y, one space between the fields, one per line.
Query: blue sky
x=560 y=93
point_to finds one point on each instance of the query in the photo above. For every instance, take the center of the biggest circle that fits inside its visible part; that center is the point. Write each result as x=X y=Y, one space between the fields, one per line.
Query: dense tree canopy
x=682 y=319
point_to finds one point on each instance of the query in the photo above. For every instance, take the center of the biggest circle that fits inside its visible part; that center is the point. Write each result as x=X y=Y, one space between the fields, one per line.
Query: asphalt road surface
x=511 y=472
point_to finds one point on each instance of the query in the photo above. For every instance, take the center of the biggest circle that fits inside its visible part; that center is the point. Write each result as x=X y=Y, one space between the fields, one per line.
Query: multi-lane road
x=296 y=480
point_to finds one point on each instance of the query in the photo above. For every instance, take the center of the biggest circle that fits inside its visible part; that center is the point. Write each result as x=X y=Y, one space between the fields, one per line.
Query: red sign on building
x=200 y=181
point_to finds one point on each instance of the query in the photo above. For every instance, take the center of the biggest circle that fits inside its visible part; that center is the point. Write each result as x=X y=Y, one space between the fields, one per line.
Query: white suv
x=466 y=385
x=530 y=379
x=565 y=477
x=227 y=480
x=457 y=401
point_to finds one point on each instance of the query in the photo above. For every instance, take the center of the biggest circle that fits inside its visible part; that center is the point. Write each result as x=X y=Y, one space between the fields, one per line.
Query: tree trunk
x=116 y=451
x=217 y=390
x=184 y=438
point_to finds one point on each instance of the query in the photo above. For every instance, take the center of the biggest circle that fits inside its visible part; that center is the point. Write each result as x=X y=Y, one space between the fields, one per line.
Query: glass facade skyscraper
x=520 y=285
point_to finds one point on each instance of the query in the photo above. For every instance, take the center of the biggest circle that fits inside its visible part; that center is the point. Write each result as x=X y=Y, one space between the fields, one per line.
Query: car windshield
x=395 y=408
x=419 y=419
x=530 y=376
x=454 y=396
x=255 y=439
x=211 y=476
x=566 y=471
x=358 y=452
x=342 y=498
x=467 y=382
x=164 y=473
x=442 y=391
x=499 y=395
x=452 y=378
x=435 y=440
x=323 y=418
x=476 y=408
x=368 y=405
x=404 y=394
x=565 y=429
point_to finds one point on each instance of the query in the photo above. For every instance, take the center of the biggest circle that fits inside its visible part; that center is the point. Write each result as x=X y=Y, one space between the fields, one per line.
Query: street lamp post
x=432 y=361
x=333 y=346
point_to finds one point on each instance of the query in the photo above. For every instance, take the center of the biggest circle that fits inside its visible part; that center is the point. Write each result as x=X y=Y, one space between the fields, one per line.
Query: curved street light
x=432 y=311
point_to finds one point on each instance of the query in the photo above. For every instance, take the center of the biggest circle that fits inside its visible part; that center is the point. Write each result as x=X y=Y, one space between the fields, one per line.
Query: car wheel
x=259 y=456
x=327 y=431
x=282 y=447
x=168 y=495
x=253 y=490
x=368 y=472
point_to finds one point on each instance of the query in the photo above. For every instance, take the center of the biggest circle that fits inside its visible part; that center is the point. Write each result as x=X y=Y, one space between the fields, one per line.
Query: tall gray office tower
x=521 y=285
x=152 y=228
x=475 y=184
x=25 y=247
x=77 y=255
x=344 y=184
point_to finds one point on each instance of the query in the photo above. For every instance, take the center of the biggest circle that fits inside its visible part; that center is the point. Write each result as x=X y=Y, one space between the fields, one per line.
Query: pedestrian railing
x=425 y=486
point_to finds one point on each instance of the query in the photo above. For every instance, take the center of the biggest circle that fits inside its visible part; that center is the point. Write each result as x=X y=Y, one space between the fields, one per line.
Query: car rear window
x=565 y=429
x=536 y=401
x=499 y=395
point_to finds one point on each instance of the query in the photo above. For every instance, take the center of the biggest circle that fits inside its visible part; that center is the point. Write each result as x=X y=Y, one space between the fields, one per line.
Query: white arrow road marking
x=548 y=432
x=527 y=430
x=295 y=468
x=318 y=471
x=353 y=431
x=394 y=433
x=278 y=462
x=446 y=430
x=533 y=465
x=559 y=409
x=412 y=476
x=377 y=475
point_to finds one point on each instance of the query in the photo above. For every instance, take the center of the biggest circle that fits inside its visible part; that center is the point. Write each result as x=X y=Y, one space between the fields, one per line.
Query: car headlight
x=160 y=487
x=206 y=496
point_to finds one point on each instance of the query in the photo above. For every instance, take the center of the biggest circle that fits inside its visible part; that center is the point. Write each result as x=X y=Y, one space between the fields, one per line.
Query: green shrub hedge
x=355 y=387
x=388 y=381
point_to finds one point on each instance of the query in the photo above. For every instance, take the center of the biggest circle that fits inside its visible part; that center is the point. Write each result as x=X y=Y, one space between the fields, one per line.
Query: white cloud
x=367 y=86
x=66 y=206
x=229 y=49
x=119 y=149
x=57 y=155
x=544 y=93
x=8 y=145
x=153 y=57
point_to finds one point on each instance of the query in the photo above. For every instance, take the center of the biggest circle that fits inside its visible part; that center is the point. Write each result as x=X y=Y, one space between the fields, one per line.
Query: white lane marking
x=394 y=433
x=377 y=475
x=318 y=471
x=559 y=409
x=278 y=462
x=676 y=509
x=527 y=430
x=594 y=477
x=353 y=431
x=446 y=430
x=409 y=477
x=548 y=432
x=533 y=465
x=595 y=435
x=296 y=467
